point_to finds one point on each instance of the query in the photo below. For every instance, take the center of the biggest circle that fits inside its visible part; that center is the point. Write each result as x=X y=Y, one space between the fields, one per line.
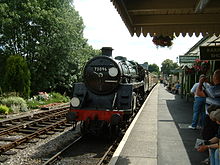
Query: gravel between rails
x=33 y=154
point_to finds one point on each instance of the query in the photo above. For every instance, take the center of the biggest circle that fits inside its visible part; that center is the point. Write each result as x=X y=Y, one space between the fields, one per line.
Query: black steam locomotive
x=111 y=90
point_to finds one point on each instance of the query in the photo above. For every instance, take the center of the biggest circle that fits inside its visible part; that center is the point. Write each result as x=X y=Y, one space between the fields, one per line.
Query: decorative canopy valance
x=169 y=17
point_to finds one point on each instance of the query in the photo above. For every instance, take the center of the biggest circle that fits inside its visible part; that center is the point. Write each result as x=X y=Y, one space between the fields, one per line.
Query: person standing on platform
x=213 y=144
x=199 y=105
x=212 y=99
x=177 y=87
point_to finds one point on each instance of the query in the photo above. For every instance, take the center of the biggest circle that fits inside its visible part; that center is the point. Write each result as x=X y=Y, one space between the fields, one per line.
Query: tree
x=17 y=76
x=74 y=71
x=49 y=35
x=153 y=68
x=168 y=66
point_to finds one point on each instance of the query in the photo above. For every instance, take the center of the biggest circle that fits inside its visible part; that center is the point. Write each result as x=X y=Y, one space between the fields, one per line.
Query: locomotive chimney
x=107 y=51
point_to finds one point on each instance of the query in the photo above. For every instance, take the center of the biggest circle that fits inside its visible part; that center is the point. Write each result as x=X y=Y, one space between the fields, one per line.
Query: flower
x=189 y=70
x=43 y=96
x=201 y=65
x=163 y=40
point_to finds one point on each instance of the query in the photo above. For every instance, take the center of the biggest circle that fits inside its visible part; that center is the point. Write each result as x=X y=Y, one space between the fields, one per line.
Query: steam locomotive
x=110 y=93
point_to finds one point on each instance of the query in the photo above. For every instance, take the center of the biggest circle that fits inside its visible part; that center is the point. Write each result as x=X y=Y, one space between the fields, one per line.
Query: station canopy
x=169 y=17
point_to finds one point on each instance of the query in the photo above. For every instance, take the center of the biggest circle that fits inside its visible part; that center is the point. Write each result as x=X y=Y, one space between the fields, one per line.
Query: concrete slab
x=136 y=160
x=140 y=149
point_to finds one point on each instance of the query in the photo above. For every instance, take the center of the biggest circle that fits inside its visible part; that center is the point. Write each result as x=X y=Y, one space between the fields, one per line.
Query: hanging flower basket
x=201 y=66
x=163 y=41
x=189 y=71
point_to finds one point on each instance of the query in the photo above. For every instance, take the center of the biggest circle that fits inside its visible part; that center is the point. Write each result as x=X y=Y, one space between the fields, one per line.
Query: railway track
x=110 y=151
x=23 y=129
x=57 y=156
x=87 y=150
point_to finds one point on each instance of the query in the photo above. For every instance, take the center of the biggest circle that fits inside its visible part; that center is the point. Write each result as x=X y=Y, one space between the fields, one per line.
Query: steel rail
x=56 y=156
x=31 y=136
x=30 y=116
x=24 y=125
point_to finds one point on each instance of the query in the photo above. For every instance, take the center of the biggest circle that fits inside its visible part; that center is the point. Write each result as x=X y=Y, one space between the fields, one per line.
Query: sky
x=105 y=28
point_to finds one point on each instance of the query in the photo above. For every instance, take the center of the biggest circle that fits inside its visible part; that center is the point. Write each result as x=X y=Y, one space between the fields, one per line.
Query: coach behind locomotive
x=111 y=91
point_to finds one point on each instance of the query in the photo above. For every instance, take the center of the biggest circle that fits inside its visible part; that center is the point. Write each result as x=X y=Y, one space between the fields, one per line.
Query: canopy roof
x=166 y=17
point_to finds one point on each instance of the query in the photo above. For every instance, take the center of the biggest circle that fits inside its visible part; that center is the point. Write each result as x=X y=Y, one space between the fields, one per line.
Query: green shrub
x=33 y=104
x=57 y=97
x=4 y=109
x=40 y=99
x=17 y=76
x=10 y=94
x=16 y=104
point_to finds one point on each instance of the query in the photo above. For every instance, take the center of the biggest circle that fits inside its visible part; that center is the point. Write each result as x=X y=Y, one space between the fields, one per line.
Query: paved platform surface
x=159 y=134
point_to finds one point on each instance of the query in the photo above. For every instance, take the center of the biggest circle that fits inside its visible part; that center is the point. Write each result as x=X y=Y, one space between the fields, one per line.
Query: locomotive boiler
x=111 y=90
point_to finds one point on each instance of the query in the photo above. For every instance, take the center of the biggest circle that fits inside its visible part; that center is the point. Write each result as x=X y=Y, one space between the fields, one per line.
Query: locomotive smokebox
x=107 y=51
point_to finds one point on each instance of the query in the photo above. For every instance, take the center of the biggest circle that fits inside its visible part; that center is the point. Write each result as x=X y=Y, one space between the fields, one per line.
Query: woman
x=213 y=143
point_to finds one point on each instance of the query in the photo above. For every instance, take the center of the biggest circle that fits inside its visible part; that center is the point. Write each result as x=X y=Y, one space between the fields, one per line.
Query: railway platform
x=159 y=134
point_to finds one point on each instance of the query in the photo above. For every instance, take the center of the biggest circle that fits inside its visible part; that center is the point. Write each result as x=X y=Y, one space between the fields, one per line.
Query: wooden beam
x=201 y=5
x=161 y=11
x=176 y=19
x=123 y=12
x=158 y=4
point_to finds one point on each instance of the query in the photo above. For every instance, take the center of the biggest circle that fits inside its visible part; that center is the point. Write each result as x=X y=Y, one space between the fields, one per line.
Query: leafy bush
x=4 y=109
x=17 y=76
x=34 y=104
x=57 y=97
x=9 y=94
x=39 y=100
x=42 y=96
x=16 y=104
